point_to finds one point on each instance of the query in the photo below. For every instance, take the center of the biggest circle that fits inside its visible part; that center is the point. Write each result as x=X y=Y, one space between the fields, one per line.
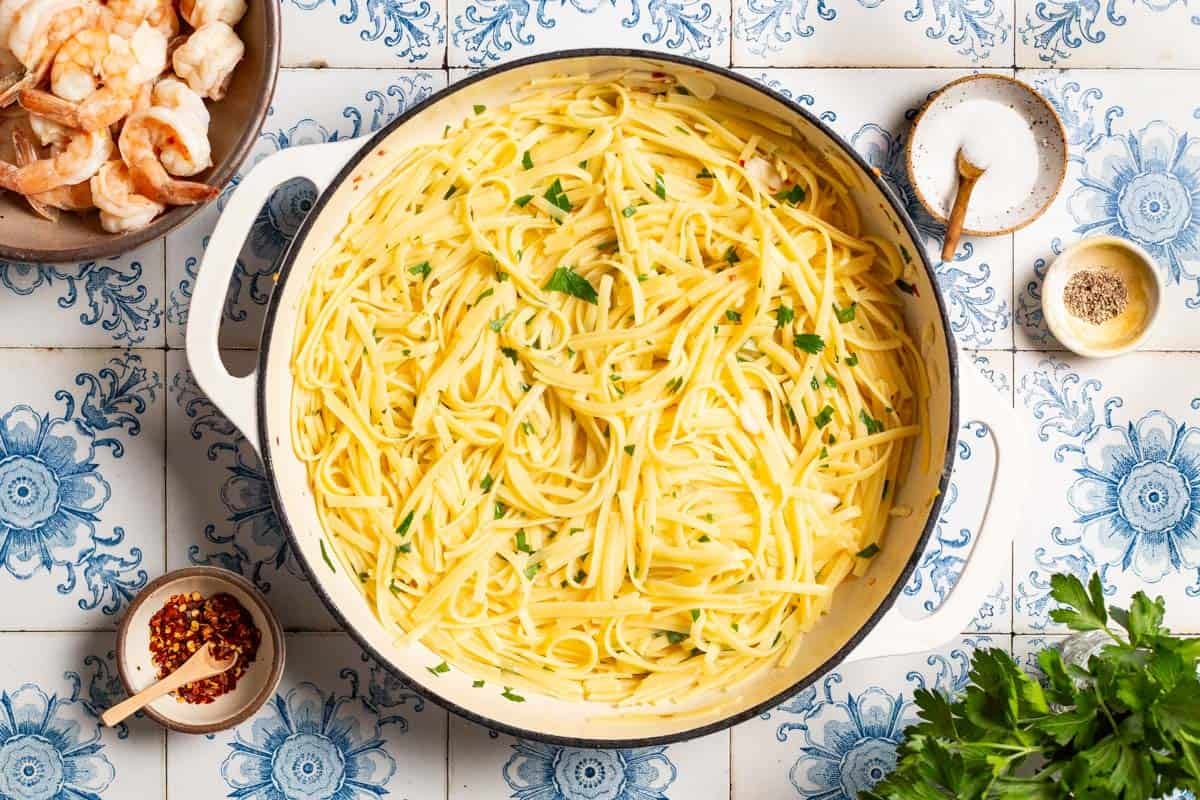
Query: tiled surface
x=147 y=475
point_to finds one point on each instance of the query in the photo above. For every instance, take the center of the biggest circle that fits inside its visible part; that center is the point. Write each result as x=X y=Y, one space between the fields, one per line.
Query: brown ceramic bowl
x=253 y=689
x=236 y=122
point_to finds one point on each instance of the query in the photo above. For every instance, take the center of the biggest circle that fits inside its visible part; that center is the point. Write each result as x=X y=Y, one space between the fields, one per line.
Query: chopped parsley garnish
x=793 y=195
x=732 y=316
x=906 y=287
x=498 y=510
x=511 y=696
x=809 y=342
x=873 y=425
x=731 y=255
x=501 y=275
x=521 y=544
x=675 y=637
x=510 y=352
x=523 y=200
x=611 y=246
x=486 y=483
x=642 y=278
x=439 y=669
x=868 y=551
x=404 y=548
x=778 y=636
x=831 y=382
x=423 y=269
x=705 y=538
x=405 y=524
x=362 y=577
x=824 y=453
x=852 y=360
x=674 y=384
x=488 y=292
x=527 y=428
x=710 y=518
x=695 y=612
x=450 y=192
x=845 y=314
x=557 y=197
x=814 y=383
x=480 y=109
x=478 y=684
x=783 y=315
x=583 y=164
x=629 y=449
x=824 y=416
x=660 y=188
x=628 y=211
x=532 y=569
x=574 y=531
x=498 y=324
x=568 y=281
x=325 y=555
x=704 y=173
x=527 y=160
x=791 y=412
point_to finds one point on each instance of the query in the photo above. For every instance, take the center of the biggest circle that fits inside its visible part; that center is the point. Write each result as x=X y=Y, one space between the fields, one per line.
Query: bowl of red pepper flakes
x=179 y=613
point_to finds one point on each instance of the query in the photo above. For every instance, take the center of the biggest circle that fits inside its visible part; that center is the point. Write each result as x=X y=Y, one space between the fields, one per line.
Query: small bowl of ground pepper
x=181 y=612
x=1101 y=296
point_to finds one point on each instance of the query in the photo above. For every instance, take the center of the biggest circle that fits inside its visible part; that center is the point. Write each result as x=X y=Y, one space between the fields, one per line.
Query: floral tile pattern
x=338 y=727
x=910 y=33
x=977 y=284
x=486 y=764
x=839 y=736
x=1134 y=172
x=1118 y=469
x=310 y=107
x=114 y=466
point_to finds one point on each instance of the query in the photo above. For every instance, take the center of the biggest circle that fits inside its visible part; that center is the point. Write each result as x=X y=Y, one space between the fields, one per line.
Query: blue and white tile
x=219 y=510
x=364 y=33
x=53 y=688
x=81 y=488
x=337 y=726
x=873 y=109
x=1134 y=171
x=486 y=764
x=1076 y=33
x=310 y=107
x=873 y=33
x=839 y=736
x=953 y=539
x=1117 y=469
x=114 y=302
x=484 y=33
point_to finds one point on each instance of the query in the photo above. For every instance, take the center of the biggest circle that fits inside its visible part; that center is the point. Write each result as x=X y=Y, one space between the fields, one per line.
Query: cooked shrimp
x=124 y=16
x=207 y=59
x=121 y=207
x=48 y=131
x=9 y=9
x=76 y=70
x=41 y=27
x=70 y=198
x=125 y=66
x=162 y=142
x=199 y=13
x=175 y=94
x=83 y=155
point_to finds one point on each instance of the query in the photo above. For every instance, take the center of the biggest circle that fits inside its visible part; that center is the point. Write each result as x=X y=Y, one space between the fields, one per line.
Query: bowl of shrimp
x=119 y=118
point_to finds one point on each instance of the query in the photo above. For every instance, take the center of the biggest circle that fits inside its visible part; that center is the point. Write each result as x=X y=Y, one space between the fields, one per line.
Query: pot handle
x=234 y=395
x=897 y=634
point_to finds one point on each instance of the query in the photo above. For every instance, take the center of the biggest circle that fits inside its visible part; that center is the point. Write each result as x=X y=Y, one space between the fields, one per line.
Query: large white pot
x=862 y=623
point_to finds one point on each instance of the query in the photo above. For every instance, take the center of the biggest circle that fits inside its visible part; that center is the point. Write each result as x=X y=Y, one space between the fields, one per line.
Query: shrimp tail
x=27 y=153
x=27 y=81
x=52 y=107
x=151 y=180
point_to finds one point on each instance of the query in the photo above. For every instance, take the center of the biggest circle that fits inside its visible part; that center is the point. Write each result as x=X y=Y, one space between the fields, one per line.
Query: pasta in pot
x=605 y=392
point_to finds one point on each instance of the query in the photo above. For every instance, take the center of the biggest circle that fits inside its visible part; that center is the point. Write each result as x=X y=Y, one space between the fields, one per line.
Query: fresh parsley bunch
x=1126 y=727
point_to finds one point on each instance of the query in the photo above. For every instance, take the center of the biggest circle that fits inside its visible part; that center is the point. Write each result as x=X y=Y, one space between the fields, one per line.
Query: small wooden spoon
x=201 y=665
x=968 y=175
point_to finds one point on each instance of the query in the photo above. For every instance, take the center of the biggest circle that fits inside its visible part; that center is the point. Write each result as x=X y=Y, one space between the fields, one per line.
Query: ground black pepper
x=1095 y=296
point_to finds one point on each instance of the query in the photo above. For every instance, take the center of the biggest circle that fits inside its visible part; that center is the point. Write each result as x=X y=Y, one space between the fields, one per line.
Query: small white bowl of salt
x=1003 y=126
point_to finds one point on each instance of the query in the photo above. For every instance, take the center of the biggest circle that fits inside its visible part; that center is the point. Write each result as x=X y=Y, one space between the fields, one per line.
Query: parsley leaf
x=845 y=314
x=557 y=197
x=521 y=544
x=783 y=315
x=660 y=188
x=405 y=524
x=868 y=552
x=793 y=195
x=568 y=281
x=873 y=425
x=732 y=316
x=823 y=417
x=527 y=160
x=809 y=342
x=523 y=200
x=675 y=637
x=497 y=325
x=486 y=483
x=511 y=696
x=628 y=211
x=704 y=173
x=440 y=669
x=423 y=269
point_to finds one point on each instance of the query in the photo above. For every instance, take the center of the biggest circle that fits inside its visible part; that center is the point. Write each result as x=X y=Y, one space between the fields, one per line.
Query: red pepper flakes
x=186 y=623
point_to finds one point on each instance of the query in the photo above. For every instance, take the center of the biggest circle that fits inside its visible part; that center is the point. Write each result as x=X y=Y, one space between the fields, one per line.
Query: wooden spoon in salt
x=969 y=174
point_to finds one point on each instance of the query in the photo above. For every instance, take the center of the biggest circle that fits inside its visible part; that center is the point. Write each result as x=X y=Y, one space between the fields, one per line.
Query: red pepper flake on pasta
x=189 y=621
